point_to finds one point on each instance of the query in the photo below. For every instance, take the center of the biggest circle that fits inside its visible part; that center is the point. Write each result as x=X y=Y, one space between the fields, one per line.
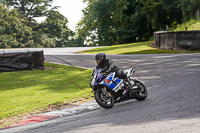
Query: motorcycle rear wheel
x=104 y=101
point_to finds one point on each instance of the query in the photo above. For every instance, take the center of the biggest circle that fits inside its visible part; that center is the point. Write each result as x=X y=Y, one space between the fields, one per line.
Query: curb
x=32 y=119
x=85 y=107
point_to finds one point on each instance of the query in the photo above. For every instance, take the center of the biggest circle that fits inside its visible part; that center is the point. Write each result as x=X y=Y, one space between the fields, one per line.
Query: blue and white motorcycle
x=110 y=89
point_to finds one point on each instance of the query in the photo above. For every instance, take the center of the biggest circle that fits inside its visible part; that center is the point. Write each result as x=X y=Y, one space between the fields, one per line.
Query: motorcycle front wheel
x=104 y=100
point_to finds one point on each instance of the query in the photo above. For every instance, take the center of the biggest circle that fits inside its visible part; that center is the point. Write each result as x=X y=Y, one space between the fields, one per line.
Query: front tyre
x=141 y=93
x=104 y=100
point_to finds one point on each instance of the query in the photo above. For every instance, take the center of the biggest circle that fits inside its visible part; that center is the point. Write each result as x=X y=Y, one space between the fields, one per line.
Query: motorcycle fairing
x=98 y=79
x=110 y=82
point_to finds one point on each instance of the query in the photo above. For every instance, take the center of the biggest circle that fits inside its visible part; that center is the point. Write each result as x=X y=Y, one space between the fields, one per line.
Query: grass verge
x=27 y=91
x=133 y=48
x=191 y=25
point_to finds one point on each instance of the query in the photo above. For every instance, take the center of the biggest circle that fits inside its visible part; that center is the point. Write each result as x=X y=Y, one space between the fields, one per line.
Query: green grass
x=191 y=25
x=26 y=91
x=133 y=48
x=143 y=47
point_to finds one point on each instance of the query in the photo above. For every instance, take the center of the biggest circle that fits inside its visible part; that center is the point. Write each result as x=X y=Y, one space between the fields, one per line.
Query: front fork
x=105 y=93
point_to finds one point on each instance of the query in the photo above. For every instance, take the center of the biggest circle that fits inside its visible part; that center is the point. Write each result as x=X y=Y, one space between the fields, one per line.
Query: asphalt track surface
x=172 y=106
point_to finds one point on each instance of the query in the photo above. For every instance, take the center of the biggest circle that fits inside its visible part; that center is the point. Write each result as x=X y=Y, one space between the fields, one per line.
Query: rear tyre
x=142 y=93
x=105 y=101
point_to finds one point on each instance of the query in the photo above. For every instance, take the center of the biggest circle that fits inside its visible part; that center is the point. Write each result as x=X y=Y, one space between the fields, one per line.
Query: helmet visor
x=98 y=61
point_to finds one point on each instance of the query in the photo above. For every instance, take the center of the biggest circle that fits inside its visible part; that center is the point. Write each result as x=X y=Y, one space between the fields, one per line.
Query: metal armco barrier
x=18 y=60
x=179 y=40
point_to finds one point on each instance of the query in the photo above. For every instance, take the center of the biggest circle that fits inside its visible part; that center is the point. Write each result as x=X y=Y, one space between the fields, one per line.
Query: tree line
x=110 y=22
x=19 y=29
x=104 y=22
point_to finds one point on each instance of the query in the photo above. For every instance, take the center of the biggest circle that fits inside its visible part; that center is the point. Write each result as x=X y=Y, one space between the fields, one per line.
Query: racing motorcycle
x=109 y=89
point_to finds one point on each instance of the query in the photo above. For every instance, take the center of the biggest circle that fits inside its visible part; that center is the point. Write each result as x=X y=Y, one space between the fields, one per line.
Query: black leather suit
x=108 y=66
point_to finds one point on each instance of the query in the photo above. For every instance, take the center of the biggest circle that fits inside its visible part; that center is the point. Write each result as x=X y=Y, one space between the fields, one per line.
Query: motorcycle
x=109 y=89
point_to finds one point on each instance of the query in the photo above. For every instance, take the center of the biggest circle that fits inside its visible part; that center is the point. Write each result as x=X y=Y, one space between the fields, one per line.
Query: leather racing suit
x=108 y=66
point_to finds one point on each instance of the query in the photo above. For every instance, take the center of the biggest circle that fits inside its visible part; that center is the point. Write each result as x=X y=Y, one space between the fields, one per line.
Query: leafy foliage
x=191 y=25
x=14 y=32
x=110 y=22
x=104 y=22
x=30 y=8
x=19 y=29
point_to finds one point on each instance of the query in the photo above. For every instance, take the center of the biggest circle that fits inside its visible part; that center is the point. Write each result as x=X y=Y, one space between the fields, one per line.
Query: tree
x=163 y=14
x=135 y=26
x=190 y=8
x=31 y=8
x=56 y=26
x=96 y=27
x=43 y=40
x=109 y=22
x=14 y=32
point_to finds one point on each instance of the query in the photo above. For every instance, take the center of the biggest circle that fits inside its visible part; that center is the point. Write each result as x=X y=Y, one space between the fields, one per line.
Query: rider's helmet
x=100 y=58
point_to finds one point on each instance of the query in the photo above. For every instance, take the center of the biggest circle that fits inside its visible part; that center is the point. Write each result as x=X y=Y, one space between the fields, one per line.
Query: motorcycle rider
x=108 y=66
